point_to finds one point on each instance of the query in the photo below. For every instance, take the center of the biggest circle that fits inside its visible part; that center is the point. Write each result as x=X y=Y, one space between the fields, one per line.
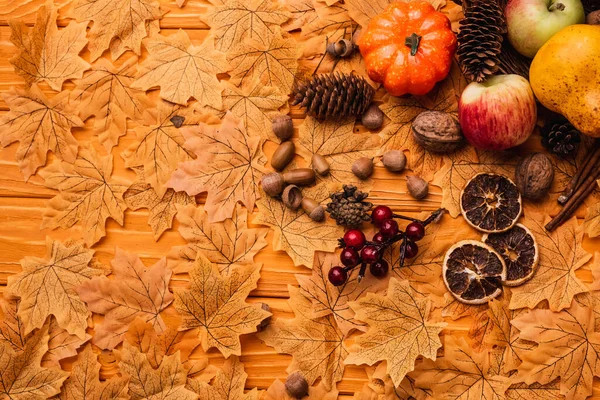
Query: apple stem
x=413 y=41
x=557 y=7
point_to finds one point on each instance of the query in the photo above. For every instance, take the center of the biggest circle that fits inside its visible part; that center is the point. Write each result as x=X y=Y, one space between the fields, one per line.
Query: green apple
x=532 y=22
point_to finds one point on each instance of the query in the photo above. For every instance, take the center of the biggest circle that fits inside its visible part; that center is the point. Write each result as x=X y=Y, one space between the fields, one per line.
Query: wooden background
x=22 y=205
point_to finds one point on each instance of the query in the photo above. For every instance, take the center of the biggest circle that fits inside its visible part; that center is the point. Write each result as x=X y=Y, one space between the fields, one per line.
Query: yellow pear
x=565 y=76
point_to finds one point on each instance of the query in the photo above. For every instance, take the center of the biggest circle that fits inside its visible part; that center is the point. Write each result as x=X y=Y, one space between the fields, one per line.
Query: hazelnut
x=300 y=176
x=283 y=127
x=314 y=210
x=273 y=184
x=283 y=155
x=292 y=197
x=296 y=385
x=265 y=322
x=372 y=119
x=417 y=187
x=394 y=160
x=534 y=176
x=320 y=164
x=363 y=167
x=593 y=18
x=437 y=131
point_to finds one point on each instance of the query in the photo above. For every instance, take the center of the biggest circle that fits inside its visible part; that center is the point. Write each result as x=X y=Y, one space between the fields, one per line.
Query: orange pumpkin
x=408 y=47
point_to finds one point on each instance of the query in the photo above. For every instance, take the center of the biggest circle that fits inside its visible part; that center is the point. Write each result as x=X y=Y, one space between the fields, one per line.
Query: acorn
x=342 y=48
x=296 y=385
x=363 y=167
x=283 y=155
x=417 y=187
x=314 y=210
x=265 y=322
x=273 y=184
x=320 y=164
x=300 y=176
x=394 y=160
x=292 y=197
x=283 y=127
x=372 y=119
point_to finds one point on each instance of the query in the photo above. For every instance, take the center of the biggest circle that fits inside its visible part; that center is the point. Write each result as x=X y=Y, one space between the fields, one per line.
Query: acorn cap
x=314 y=210
x=296 y=385
x=292 y=197
x=273 y=184
x=283 y=127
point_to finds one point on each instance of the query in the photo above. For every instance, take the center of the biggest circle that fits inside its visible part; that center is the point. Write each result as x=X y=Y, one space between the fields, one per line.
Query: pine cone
x=334 y=96
x=560 y=138
x=480 y=39
x=348 y=208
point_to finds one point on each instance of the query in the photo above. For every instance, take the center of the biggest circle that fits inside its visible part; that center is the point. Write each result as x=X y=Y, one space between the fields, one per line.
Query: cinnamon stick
x=590 y=162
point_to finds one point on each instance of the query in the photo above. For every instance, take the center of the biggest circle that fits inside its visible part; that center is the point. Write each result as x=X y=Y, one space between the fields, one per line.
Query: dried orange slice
x=473 y=272
x=518 y=248
x=491 y=203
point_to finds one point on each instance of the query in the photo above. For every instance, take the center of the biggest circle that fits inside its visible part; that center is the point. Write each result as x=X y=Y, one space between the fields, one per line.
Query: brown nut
x=342 y=48
x=437 y=131
x=534 y=176
x=296 y=385
x=273 y=184
x=320 y=164
x=394 y=160
x=363 y=167
x=265 y=322
x=300 y=176
x=372 y=119
x=283 y=155
x=417 y=187
x=292 y=197
x=593 y=18
x=283 y=127
x=314 y=210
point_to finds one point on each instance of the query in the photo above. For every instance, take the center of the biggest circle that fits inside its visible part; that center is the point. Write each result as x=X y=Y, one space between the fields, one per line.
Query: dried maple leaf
x=84 y=381
x=44 y=52
x=277 y=391
x=316 y=344
x=303 y=12
x=226 y=244
x=568 y=347
x=228 y=384
x=561 y=254
x=592 y=219
x=87 y=194
x=22 y=377
x=61 y=344
x=399 y=330
x=167 y=382
x=40 y=125
x=461 y=374
x=135 y=291
x=381 y=383
x=216 y=305
x=363 y=11
x=47 y=286
x=295 y=232
x=235 y=20
x=330 y=22
x=118 y=25
x=229 y=166
x=12 y=329
x=273 y=63
x=336 y=141
x=536 y=391
x=183 y=70
x=105 y=92
x=161 y=210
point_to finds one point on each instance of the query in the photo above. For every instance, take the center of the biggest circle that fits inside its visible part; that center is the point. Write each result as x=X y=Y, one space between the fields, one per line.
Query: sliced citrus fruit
x=491 y=203
x=474 y=272
x=518 y=248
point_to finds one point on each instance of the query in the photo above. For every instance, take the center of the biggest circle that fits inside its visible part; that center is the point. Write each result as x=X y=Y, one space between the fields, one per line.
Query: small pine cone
x=348 y=208
x=560 y=138
x=334 y=96
x=480 y=39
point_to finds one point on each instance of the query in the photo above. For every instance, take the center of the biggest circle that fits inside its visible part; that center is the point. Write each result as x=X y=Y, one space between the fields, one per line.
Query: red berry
x=389 y=228
x=355 y=238
x=411 y=249
x=415 y=231
x=378 y=238
x=380 y=214
x=349 y=257
x=337 y=276
x=369 y=254
x=379 y=269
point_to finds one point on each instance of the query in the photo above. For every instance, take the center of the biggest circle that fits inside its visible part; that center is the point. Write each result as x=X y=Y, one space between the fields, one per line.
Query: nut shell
x=372 y=119
x=296 y=385
x=363 y=167
x=300 y=176
x=417 y=187
x=273 y=184
x=534 y=176
x=320 y=164
x=283 y=127
x=283 y=155
x=437 y=131
x=292 y=197
x=394 y=160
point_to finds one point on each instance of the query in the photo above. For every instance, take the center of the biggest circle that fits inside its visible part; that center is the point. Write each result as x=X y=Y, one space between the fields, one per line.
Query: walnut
x=534 y=176
x=437 y=131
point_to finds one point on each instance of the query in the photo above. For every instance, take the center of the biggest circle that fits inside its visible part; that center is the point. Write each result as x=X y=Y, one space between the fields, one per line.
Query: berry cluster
x=357 y=250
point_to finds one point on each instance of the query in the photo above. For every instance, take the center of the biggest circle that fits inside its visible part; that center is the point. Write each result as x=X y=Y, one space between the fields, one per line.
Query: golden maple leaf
x=22 y=377
x=228 y=384
x=161 y=210
x=277 y=391
x=229 y=166
x=234 y=20
x=47 y=286
x=303 y=12
x=12 y=329
x=167 y=382
x=381 y=386
x=316 y=344
x=295 y=232
x=216 y=305
x=40 y=125
x=87 y=194
x=399 y=330
x=329 y=22
x=84 y=381
x=118 y=25
x=61 y=344
x=44 y=52
x=105 y=92
x=592 y=219
x=135 y=291
x=226 y=244
x=535 y=391
x=568 y=347
x=183 y=71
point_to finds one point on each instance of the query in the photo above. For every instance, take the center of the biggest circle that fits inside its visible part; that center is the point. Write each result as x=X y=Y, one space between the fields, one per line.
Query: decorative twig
x=589 y=163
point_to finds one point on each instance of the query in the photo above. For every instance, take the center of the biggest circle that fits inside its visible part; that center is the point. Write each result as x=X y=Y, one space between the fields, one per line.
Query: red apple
x=499 y=113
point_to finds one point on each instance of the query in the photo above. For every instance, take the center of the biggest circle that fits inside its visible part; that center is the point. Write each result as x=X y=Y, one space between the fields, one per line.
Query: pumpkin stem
x=413 y=41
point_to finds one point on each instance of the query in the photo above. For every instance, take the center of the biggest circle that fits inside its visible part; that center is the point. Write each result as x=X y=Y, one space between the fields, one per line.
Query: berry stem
x=403 y=252
x=361 y=273
x=434 y=215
